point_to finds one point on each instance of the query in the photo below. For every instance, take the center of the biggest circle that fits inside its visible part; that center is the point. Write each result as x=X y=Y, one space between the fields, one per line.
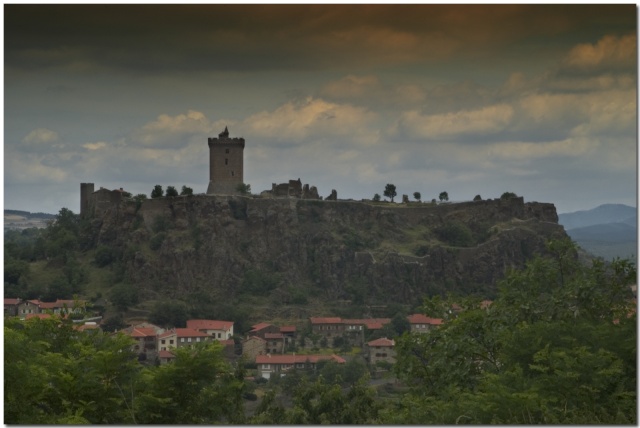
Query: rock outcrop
x=332 y=249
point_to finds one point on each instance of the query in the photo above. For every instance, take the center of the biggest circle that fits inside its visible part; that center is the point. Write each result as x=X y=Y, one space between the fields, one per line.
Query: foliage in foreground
x=57 y=375
x=558 y=346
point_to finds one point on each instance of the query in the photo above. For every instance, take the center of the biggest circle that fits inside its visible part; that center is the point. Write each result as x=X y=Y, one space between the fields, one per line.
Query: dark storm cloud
x=148 y=38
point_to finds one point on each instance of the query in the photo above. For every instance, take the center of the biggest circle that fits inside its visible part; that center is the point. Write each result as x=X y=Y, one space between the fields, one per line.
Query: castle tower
x=86 y=190
x=226 y=161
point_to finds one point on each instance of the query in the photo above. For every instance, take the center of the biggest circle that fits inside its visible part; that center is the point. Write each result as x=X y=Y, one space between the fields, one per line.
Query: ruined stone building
x=99 y=201
x=226 y=164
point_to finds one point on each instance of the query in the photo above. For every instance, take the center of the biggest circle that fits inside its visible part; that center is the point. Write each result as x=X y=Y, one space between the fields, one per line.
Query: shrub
x=456 y=234
x=156 y=241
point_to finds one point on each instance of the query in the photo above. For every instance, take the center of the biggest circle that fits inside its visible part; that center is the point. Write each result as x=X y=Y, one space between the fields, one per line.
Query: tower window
x=226 y=150
x=233 y=174
x=226 y=161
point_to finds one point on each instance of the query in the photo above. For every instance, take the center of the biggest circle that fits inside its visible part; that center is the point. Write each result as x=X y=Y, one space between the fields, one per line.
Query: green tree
x=243 y=188
x=556 y=347
x=186 y=191
x=390 y=191
x=53 y=375
x=171 y=192
x=508 y=195
x=105 y=256
x=169 y=314
x=376 y=198
x=123 y=296
x=199 y=387
x=417 y=196
x=455 y=233
x=477 y=198
x=444 y=196
x=157 y=191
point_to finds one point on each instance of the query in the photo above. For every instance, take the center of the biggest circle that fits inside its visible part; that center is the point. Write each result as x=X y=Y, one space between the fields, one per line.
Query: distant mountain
x=607 y=213
x=608 y=231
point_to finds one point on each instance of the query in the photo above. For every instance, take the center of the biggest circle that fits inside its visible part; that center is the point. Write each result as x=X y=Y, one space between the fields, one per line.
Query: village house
x=253 y=346
x=275 y=343
x=165 y=356
x=274 y=365
x=146 y=338
x=220 y=330
x=420 y=323
x=382 y=350
x=289 y=333
x=327 y=326
x=179 y=337
x=58 y=307
x=11 y=307
x=27 y=307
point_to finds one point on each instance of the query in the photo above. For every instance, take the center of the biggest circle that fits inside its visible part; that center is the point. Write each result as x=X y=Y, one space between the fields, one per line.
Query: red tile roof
x=254 y=338
x=143 y=332
x=41 y=316
x=166 y=334
x=209 y=324
x=383 y=341
x=295 y=359
x=423 y=319
x=288 y=329
x=259 y=326
x=329 y=320
x=227 y=342
x=165 y=354
x=11 y=301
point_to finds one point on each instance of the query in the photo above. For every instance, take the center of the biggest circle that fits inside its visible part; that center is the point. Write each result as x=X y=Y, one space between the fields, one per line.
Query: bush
x=105 y=256
x=456 y=234
x=156 y=241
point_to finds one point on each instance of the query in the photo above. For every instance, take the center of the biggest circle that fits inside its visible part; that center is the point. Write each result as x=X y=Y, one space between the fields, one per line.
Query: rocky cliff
x=228 y=246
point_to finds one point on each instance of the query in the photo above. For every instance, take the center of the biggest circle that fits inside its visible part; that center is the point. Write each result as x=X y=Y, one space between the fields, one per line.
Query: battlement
x=226 y=141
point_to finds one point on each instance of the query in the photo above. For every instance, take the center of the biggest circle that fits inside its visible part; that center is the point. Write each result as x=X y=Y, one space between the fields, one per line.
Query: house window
x=265 y=366
x=197 y=339
x=219 y=335
x=170 y=341
x=300 y=365
x=226 y=161
x=163 y=341
x=189 y=339
x=182 y=339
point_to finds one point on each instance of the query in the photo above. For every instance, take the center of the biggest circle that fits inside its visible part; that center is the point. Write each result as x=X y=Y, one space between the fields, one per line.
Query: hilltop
x=296 y=258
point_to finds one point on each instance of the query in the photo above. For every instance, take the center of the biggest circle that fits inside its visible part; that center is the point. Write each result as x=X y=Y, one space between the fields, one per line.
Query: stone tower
x=86 y=190
x=226 y=162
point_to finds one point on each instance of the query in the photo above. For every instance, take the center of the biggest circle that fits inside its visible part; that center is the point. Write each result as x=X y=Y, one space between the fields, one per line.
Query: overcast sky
x=539 y=100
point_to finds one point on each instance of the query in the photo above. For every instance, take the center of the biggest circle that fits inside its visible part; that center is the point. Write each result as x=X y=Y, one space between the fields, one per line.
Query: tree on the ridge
x=186 y=191
x=444 y=196
x=417 y=196
x=243 y=188
x=376 y=197
x=390 y=191
x=157 y=191
x=508 y=195
x=171 y=191
x=477 y=198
